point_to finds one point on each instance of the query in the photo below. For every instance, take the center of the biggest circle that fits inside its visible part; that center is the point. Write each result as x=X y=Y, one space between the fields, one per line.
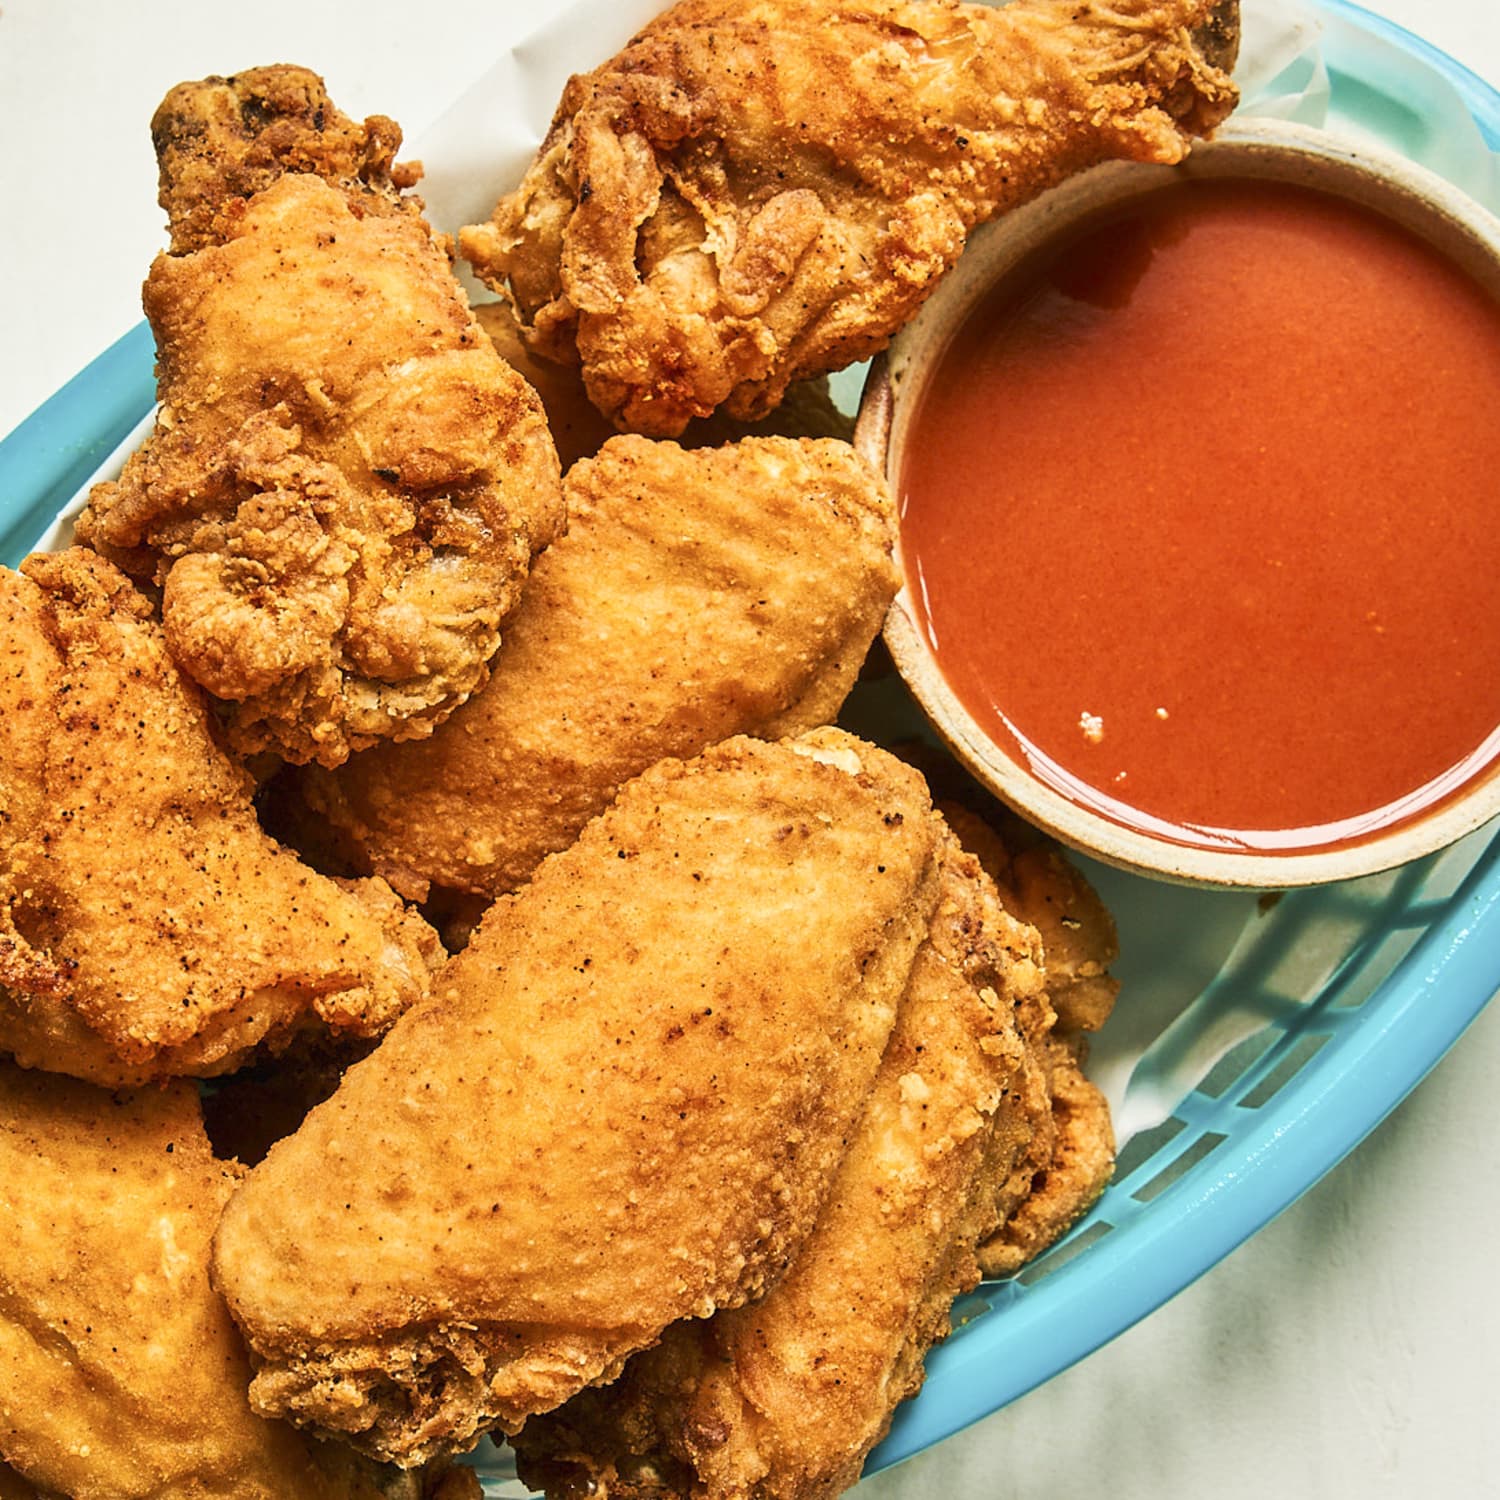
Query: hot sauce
x=1201 y=516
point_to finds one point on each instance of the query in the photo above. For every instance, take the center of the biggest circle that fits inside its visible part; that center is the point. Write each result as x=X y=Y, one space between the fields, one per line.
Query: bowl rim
x=1458 y=227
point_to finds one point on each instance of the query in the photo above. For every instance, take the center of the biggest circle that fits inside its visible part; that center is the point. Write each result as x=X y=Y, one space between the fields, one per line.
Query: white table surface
x=1350 y=1350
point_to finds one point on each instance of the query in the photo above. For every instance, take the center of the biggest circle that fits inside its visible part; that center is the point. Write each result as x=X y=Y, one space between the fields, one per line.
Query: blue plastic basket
x=1324 y=1011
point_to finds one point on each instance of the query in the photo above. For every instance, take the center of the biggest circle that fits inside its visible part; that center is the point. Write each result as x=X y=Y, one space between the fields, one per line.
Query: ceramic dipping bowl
x=1257 y=152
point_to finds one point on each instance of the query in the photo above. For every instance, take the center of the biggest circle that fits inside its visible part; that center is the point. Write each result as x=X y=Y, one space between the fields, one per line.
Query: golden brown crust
x=219 y=141
x=696 y=596
x=580 y=431
x=147 y=926
x=1038 y=882
x=758 y=191
x=1071 y=1155
x=121 y=1375
x=783 y=1398
x=346 y=484
x=1075 y=1169
x=623 y=1107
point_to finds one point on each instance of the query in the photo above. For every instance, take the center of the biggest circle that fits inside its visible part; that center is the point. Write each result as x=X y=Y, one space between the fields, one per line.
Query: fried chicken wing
x=697 y=595
x=147 y=926
x=1037 y=880
x=970 y=1156
x=624 y=1107
x=220 y=141
x=346 y=484
x=121 y=1374
x=758 y=191
x=783 y=1398
x=1068 y=1165
x=1071 y=1154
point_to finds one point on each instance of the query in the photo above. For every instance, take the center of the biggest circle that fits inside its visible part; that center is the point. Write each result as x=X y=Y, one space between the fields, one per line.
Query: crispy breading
x=697 y=595
x=346 y=484
x=220 y=141
x=147 y=926
x=1069 y=1166
x=121 y=1374
x=1037 y=880
x=758 y=191
x=580 y=430
x=1072 y=1153
x=782 y=1399
x=624 y=1106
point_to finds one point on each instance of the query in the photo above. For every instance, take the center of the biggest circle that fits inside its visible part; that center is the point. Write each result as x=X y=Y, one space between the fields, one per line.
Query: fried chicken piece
x=758 y=191
x=147 y=926
x=121 y=1374
x=1071 y=1155
x=1069 y=1164
x=577 y=428
x=697 y=595
x=346 y=484
x=580 y=431
x=1037 y=880
x=624 y=1107
x=782 y=1399
x=220 y=141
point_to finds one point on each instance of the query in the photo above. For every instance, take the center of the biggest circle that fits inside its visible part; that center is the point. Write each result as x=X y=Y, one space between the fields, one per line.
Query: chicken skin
x=147 y=926
x=1071 y=1154
x=220 y=141
x=624 y=1107
x=697 y=595
x=580 y=430
x=346 y=484
x=121 y=1374
x=758 y=191
x=783 y=1398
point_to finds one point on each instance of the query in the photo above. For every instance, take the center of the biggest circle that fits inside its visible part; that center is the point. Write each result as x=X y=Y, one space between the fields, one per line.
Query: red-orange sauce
x=1200 y=515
